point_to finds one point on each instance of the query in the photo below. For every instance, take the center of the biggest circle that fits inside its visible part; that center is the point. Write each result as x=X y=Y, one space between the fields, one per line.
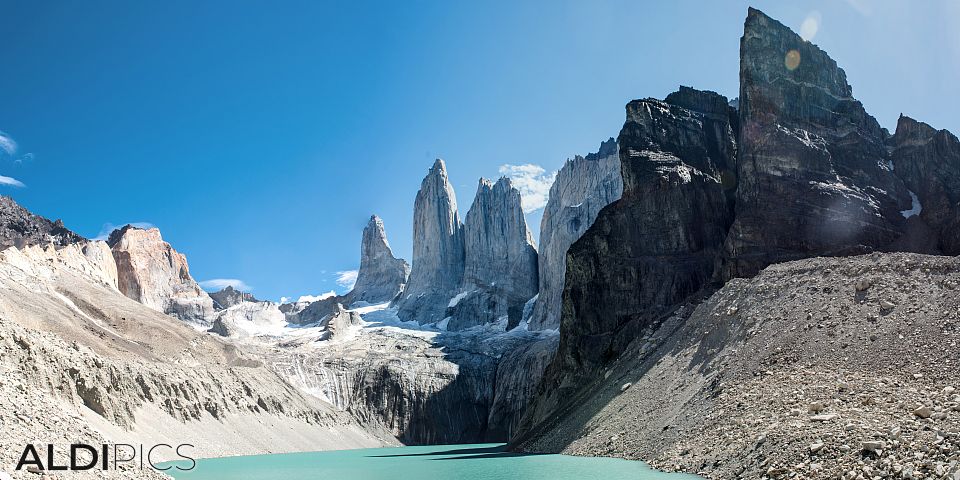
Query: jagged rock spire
x=500 y=272
x=437 y=249
x=381 y=276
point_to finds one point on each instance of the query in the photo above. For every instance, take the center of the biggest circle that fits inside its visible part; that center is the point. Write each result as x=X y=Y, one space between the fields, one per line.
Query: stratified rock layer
x=500 y=272
x=583 y=186
x=438 y=255
x=381 y=276
x=151 y=272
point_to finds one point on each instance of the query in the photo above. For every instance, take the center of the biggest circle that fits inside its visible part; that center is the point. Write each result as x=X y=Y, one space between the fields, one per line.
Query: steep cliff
x=151 y=272
x=652 y=248
x=928 y=161
x=438 y=255
x=814 y=174
x=500 y=268
x=583 y=186
x=381 y=276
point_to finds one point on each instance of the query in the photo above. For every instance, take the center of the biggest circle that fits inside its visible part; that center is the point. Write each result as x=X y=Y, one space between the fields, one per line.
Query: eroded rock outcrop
x=500 y=272
x=583 y=186
x=438 y=251
x=151 y=272
x=381 y=276
x=19 y=227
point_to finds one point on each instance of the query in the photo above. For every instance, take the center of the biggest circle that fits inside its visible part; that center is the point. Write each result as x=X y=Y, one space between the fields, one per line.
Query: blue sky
x=260 y=136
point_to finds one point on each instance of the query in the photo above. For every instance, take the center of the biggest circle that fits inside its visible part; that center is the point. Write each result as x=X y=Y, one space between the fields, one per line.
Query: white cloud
x=108 y=228
x=533 y=182
x=11 y=182
x=215 y=284
x=7 y=144
x=314 y=298
x=810 y=25
x=347 y=278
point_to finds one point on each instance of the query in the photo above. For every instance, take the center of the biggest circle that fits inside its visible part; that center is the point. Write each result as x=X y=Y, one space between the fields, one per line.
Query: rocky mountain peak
x=500 y=271
x=151 y=272
x=437 y=249
x=19 y=228
x=229 y=296
x=381 y=276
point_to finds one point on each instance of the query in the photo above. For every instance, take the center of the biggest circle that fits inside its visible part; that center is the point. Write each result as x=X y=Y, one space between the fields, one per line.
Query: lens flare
x=792 y=60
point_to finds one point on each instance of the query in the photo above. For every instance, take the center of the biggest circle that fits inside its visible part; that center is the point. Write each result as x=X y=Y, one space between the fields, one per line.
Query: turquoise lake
x=438 y=462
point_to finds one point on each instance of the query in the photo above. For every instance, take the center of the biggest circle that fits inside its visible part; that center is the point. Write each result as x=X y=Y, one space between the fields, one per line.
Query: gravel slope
x=819 y=368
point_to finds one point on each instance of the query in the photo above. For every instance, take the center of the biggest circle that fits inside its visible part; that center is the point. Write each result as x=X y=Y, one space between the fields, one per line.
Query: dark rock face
x=814 y=174
x=655 y=246
x=928 y=160
x=381 y=276
x=229 y=297
x=20 y=228
x=438 y=251
x=500 y=269
x=518 y=376
x=583 y=186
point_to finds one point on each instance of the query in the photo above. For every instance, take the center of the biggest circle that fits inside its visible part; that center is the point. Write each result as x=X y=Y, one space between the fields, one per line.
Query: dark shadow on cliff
x=499 y=451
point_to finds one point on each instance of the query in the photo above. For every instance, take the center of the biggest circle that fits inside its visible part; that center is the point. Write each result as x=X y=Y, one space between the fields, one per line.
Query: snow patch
x=915 y=207
x=455 y=300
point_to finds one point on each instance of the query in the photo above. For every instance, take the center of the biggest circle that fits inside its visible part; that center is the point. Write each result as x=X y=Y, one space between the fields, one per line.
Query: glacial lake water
x=438 y=462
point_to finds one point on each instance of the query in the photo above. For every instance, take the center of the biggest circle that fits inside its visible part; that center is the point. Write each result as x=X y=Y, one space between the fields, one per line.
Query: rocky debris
x=229 y=296
x=500 y=268
x=800 y=342
x=20 y=228
x=655 y=246
x=808 y=148
x=928 y=160
x=381 y=276
x=151 y=272
x=583 y=186
x=438 y=250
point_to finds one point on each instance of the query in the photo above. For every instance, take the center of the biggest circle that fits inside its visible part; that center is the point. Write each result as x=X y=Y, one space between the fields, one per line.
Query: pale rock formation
x=500 y=271
x=381 y=276
x=438 y=251
x=151 y=272
x=583 y=186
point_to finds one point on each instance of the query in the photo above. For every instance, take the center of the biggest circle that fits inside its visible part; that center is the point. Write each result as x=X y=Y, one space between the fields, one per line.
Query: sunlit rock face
x=928 y=160
x=500 y=266
x=438 y=252
x=583 y=186
x=151 y=272
x=814 y=173
x=381 y=276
